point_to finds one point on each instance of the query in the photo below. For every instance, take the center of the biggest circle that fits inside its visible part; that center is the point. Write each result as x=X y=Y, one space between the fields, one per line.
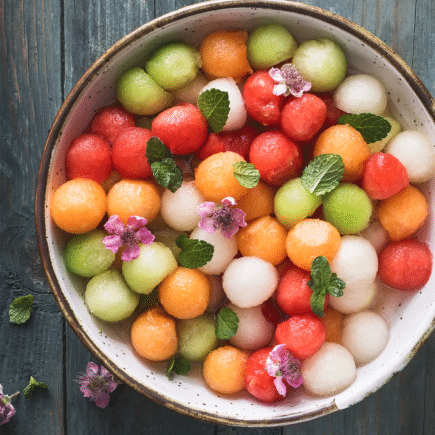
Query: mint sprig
x=165 y=171
x=323 y=174
x=227 y=323
x=21 y=309
x=30 y=389
x=372 y=127
x=179 y=365
x=246 y=174
x=323 y=282
x=215 y=106
x=194 y=253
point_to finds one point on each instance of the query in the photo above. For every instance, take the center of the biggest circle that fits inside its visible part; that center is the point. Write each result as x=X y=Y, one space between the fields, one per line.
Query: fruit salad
x=242 y=203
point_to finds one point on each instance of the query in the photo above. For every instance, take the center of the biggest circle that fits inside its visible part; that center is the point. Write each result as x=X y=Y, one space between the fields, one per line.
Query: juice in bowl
x=408 y=316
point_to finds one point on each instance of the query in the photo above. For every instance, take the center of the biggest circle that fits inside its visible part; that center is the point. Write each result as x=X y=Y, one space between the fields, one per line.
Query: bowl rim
x=41 y=188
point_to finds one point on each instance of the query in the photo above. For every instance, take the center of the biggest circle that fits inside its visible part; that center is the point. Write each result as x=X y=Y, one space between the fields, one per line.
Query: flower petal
x=113 y=243
x=206 y=208
x=114 y=225
x=279 y=89
x=275 y=73
x=102 y=400
x=136 y=222
x=91 y=369
x=111 y=386
x=145 y=236
x=130 y=252
x=229 y=200
x=280 y=386
x=207 y=224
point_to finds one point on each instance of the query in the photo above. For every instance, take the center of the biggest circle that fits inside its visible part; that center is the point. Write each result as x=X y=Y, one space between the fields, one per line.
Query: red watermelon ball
x=110 y=121
x=182 y=128
x=129 y=153
x=277 y=158
x=89 y=156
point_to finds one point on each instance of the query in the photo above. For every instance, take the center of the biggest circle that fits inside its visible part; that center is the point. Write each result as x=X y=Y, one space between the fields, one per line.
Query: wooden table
x=46 y=45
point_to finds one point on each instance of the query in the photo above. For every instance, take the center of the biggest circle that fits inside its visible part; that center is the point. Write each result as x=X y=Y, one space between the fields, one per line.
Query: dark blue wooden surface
x=46 y=45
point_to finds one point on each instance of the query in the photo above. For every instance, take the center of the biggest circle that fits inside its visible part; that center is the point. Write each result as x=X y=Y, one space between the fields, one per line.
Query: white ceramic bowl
x=410 y=318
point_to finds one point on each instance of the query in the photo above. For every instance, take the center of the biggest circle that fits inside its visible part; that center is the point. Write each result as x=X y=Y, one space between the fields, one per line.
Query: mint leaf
x=215 y=106
x=372 y=127
x=323 y=282
x=227 y=323
x=323 y=174
x=167 y=174
x=21 y=309
x=178 y=365
x=29 y=390
x=156 y=150
x=194 y=253
x=246 y=174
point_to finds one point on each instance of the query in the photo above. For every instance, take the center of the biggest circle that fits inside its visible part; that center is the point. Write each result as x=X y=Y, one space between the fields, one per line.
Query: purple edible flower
x=97 y=386
x=290 y=81
x=7 y=411
x=282 y=365
x=128 y=235
x=223 y=216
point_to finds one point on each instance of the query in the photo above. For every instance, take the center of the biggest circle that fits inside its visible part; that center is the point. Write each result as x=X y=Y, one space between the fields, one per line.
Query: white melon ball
x=237 y=116
x=330 y=370
x=249 y=281
x=376 y=234
x=217 y=293
x=356 y=261
x=361 y=93
x=190 y=92
x=365 y=336
x=254 y=331
x=355 y=298
x=416 y=152
x=224 y=250
x=180 y=209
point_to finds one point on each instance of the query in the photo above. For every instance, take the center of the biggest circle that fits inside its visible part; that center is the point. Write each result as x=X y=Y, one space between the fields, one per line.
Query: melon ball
x=361 y=93
x=356 y=261
x=355 y=298
x=249 y=281
x=254 y=331
x=365 y=336
x=237 y=116
x=190 y=92
x=180 y=209
x=376 y=234
x=416 y=152
x=330 y=370
x=224 y=250
x=217 y=293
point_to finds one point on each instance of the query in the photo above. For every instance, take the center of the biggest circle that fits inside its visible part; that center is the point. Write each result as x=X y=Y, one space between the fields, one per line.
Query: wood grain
x=46 y=45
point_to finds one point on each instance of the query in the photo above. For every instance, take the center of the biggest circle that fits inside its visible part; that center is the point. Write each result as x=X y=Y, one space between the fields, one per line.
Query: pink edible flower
x=283 y=366
x=97 y=386
x=290 y=81
x=7 y=411
x=223 y=216
x=129 y=235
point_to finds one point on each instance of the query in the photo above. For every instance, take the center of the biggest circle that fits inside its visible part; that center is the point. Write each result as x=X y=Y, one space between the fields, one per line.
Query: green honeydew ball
x=154 y=264
x=293 y=202
x=321 y=62
x=269 y=45
x=348 y=208
x=140 y=94
x=109 y=298
x=196 y=337
x=375 y=147
x=86 y=255
x=173 y=66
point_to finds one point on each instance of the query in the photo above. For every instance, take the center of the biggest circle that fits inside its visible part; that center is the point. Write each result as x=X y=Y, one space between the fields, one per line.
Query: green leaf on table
x=21 y=309
x=33 y=384
x=372 y=127
x=227 y=323
x=323 y=174
x=156 y=150
x=194 y=253
x=179 y=365
x=246 y=174
x=323 y=282
x=167 y=174
x=215 y=106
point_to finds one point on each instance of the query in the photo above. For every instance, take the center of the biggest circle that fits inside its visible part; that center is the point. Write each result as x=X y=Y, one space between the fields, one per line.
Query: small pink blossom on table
x=290 y=81
x=96 y=384
x=224 y=216
x=129 y=235
x=7 y=411
x=283 y=366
